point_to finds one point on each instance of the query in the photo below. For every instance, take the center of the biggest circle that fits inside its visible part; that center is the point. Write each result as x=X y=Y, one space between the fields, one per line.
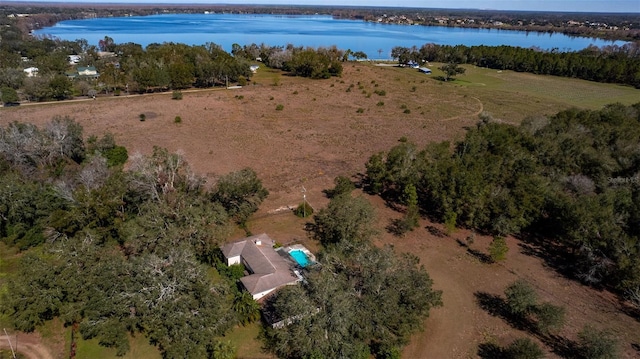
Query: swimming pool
x=300 y=257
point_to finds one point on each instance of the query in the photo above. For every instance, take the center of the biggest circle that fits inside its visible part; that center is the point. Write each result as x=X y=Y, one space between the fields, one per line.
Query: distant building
x=31 y=71
x=89 y=71
x=74 y=59
x=84 y=72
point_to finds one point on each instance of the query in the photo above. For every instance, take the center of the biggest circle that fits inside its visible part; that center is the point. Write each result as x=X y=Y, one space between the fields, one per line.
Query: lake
x=376 y=40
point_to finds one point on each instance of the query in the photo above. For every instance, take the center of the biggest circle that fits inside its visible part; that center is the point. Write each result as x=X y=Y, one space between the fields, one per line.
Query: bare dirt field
x=328 y=128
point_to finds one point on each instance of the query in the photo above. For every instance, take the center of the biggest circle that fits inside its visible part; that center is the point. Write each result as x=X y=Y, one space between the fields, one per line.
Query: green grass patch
x=140 y=349
x=551 y=89
x=246 y=340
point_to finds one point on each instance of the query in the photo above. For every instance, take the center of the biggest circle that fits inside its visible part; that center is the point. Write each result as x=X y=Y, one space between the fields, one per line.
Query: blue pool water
x=300 y=258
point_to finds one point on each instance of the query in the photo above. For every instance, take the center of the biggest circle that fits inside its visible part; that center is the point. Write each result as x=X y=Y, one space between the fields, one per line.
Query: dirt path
x=27 y=345
x=474 y=115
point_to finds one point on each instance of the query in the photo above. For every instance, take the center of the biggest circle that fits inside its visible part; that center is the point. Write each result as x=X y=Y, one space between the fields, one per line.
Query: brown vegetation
x=320 y=134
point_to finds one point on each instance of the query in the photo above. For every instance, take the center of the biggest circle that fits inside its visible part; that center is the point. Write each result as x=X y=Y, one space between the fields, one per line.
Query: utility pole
x=13 y=353
x=304 y=202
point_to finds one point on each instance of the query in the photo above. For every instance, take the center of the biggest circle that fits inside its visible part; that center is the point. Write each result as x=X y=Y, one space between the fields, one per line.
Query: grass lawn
x=140 y=349
x=245 y=339
x=512 y=96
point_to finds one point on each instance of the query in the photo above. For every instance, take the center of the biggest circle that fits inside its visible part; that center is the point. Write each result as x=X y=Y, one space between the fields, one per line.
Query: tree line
x=613 y=64
x=568 y=182
x=116 y=252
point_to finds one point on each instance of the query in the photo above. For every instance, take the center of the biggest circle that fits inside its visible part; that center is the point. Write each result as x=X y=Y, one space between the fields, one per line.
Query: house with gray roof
x=269 y=268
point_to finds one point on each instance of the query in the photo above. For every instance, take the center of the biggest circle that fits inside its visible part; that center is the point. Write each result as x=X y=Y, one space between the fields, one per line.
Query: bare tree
x=94 y=174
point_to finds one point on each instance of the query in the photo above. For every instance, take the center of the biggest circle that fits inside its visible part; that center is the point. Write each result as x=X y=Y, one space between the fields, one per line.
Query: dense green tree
x=246 y=308
x=240 y=193
x=451 y=69
x=60 y=87
x=342 y=185
x=8 y=95
x=376 y=173
x=346 y=220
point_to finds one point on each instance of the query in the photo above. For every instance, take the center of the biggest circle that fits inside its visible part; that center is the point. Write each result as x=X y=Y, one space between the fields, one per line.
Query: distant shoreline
x=49 y=14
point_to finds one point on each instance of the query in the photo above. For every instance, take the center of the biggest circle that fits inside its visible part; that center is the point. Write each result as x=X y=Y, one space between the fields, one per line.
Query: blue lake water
x=376 y=40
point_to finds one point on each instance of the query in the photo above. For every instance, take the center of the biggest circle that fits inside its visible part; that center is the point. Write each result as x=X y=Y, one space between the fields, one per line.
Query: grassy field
x=140 y=348
x=247 y=340
x=325 y=128
x=512 y=96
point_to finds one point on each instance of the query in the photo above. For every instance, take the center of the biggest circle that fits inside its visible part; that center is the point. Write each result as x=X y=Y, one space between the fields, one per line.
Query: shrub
x=116 y=156
x=342 y=185
x=176 y=95
x=178 y=119
x=523 y=348
x=498 y=249
x=407 y=111
x=380 y=103
x=242 y=81
x=295 y=92
x=380 y=92
x=549 y=317
x=450 y=220
x=270 y=98
x=142 y=117
x=280 y=107
x=596 y=344
x=521 y=297
x=360 y=110
x=304 y=210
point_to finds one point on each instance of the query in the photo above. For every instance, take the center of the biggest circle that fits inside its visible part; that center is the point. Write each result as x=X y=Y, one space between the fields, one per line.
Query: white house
x=269 y=269
x=88 y=71
x=31 y=71
x=74 y=59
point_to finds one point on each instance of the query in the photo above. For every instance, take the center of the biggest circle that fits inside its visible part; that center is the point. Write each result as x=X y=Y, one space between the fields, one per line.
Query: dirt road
x=26 y=345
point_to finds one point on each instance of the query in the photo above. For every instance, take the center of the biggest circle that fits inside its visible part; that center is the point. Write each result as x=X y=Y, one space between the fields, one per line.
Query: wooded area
x=569 y=183
x=115 y=251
